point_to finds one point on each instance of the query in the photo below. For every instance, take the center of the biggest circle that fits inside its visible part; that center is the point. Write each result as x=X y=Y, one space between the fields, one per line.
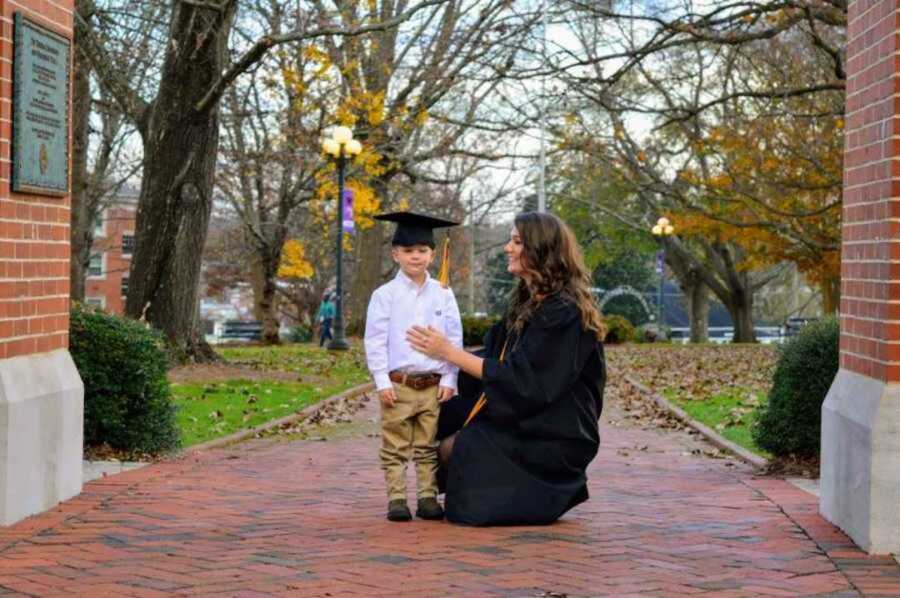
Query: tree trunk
x=270 y=324
x=257 y=282
x=698 y=294
x=741 y=310
x=367 y=276
x=265 y=299
x=690 y=279
x=81 y=228
x=831 y=295
x=180 y=150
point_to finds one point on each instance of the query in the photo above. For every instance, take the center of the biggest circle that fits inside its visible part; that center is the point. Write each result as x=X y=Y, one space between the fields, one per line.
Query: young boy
x=410 y=385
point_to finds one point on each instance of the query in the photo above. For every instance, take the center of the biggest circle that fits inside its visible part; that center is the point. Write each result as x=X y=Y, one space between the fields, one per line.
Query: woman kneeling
x=538 y=382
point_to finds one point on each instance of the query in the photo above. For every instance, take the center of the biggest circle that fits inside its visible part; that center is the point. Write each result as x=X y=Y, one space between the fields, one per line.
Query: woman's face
x=515 y=254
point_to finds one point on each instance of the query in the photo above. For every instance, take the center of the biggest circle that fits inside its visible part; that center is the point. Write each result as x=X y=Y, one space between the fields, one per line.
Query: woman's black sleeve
x=540 y=369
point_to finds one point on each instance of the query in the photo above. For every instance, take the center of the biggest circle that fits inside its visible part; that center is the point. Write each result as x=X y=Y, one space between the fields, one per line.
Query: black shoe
x=429 y=508
x=398 y=511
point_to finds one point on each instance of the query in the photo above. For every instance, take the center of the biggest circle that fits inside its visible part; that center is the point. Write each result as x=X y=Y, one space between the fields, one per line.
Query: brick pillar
x=861 y=416
x=41 y=395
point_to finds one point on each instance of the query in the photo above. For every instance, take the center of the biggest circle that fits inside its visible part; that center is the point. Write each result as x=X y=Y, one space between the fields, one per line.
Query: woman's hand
x=429 y=341
x=435 y=345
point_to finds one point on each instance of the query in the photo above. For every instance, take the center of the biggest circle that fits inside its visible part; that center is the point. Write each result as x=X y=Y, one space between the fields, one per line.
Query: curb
x=705 y=431
x=276 y=423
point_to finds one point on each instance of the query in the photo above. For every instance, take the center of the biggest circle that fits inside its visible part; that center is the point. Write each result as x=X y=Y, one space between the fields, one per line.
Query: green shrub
x=127 y=399
x=618 y=329
x=790 y=423
x=474 y=329
x=300 y=333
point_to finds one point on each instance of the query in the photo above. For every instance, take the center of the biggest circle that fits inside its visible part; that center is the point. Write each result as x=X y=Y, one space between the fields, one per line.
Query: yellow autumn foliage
x=293 y=261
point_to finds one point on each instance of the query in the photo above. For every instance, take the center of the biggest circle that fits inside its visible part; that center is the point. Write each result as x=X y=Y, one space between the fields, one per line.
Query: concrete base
x=860 y=471
x=41 y=431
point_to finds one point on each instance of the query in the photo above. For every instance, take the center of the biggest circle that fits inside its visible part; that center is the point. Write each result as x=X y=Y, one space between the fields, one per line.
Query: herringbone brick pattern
x=306 y=518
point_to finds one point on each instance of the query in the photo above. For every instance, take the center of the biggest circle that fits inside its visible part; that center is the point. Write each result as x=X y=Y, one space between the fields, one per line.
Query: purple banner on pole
x=348 y=211
x=660 y=263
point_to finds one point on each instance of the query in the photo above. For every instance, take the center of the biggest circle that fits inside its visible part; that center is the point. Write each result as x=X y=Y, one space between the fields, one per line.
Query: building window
x=127 y=244
x=95 y=301
x=124 y=286
x=96 y=267
x=100 y=226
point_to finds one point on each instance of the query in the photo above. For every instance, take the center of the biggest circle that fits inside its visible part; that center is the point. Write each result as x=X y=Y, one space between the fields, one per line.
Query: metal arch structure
x=626 y=290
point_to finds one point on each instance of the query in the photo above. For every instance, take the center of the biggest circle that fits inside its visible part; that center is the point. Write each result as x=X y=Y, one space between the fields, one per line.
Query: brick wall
x=870 y=265
x=34 y=230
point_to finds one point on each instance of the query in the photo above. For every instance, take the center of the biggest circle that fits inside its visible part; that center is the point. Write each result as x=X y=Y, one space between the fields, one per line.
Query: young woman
x=522 y=458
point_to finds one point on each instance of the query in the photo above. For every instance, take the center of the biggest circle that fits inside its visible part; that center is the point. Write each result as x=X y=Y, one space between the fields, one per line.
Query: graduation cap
x=418 y=229
x=414 y=229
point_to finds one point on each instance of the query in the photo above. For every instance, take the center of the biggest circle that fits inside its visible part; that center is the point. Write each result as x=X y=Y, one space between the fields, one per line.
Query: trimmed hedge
x=127 y=400
x=791 y=422
x=618 y=329
x=474 y=329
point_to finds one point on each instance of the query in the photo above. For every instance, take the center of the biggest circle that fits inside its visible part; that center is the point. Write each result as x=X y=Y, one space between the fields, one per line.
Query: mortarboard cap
x=414 y=229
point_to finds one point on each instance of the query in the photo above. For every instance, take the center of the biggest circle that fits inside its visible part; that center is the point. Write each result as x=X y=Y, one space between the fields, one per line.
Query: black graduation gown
x=523 y=459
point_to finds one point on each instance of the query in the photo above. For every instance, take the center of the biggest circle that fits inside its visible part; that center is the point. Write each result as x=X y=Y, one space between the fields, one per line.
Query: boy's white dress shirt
x=394 y=308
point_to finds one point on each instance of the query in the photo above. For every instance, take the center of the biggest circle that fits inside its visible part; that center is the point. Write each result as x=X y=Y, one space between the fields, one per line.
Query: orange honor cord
x=482 y=400
x=444 y=273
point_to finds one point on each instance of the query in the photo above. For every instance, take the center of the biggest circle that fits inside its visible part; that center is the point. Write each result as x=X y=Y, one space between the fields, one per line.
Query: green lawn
x=307 y=360
x=208 y=410
x=729 y=414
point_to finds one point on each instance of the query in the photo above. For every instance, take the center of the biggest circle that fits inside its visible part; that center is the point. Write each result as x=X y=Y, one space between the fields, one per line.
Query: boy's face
x=414 y=260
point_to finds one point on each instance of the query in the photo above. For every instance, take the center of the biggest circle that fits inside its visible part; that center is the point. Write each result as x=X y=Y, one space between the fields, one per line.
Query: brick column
x=861 y=416
x=41 y=393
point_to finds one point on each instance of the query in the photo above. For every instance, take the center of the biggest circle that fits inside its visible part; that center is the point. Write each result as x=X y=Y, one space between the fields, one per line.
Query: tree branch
x=263 y=45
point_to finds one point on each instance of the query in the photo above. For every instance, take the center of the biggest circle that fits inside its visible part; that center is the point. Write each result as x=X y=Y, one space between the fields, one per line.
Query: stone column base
x=860 y=467
x=41 y=431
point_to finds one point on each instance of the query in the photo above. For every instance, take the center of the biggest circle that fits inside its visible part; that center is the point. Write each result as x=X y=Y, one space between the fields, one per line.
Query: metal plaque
x=40 y=135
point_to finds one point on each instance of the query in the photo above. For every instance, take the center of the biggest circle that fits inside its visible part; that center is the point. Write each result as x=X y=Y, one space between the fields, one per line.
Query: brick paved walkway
x=305 y=518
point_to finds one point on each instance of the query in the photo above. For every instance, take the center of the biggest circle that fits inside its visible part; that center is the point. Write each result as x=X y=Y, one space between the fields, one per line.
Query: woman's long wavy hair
x=553 y=264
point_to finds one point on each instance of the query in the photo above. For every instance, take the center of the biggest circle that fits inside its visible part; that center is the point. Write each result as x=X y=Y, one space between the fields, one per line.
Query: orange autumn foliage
x=772 y=185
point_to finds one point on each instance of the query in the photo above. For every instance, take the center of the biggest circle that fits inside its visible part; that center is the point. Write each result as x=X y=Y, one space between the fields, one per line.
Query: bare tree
x=270 y=159
x=101 y=158
x=179 y=129
x=416 y=96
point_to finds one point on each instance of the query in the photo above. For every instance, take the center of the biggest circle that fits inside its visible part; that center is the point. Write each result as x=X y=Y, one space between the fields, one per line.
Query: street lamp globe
x=657 y=230
x=353 y=147
x=332 y=147
x=342 y=135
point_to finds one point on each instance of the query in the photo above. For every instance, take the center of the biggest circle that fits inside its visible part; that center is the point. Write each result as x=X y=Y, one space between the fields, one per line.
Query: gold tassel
x=444 y=274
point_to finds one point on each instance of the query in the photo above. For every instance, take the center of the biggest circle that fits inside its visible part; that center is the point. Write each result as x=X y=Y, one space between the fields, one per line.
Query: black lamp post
x=341 y=145
x=661 y=230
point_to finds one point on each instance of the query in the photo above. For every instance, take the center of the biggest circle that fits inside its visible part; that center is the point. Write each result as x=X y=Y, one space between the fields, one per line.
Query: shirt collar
x=409 y=283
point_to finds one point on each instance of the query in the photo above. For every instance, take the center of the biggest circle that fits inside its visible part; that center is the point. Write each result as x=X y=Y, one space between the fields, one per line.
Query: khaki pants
x=408 y=430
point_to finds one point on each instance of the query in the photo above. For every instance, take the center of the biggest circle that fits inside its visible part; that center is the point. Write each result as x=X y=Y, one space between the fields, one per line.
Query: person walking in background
x=324 y=317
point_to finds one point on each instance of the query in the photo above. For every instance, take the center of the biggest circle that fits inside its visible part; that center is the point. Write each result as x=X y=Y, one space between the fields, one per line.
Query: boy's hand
x=445 y=394
x=387 y=396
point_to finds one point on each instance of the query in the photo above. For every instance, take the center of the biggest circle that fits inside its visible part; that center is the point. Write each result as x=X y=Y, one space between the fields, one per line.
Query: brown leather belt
x=415 y=381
